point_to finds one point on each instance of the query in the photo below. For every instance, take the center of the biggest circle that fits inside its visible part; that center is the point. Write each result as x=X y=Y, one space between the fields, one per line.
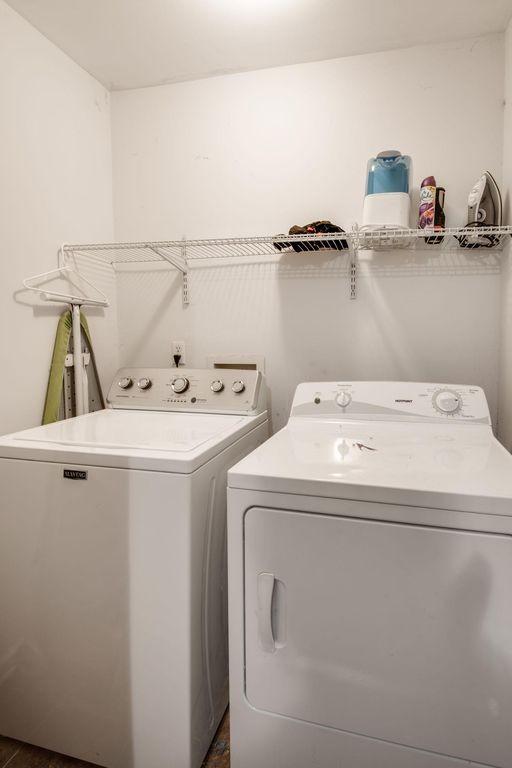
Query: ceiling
x=137 y=43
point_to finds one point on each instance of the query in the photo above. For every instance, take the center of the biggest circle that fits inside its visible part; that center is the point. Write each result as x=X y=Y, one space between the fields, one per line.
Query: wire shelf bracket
x=179 y=263
x=353 y=277
x=171 y=252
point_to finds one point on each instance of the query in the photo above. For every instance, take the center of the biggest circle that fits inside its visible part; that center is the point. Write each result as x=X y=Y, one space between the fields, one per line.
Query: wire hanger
x=65 y=272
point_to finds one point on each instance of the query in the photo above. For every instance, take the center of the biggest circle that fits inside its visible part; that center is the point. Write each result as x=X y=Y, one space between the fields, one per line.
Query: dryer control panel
x=392 y=401
x=207 y=390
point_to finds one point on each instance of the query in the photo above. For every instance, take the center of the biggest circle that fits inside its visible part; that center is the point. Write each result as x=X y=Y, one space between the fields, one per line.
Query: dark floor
x=218 y=756
x=17 y=755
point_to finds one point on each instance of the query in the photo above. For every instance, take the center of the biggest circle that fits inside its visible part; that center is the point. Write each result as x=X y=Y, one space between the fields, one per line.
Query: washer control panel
x=393 y=401
x=186 y=389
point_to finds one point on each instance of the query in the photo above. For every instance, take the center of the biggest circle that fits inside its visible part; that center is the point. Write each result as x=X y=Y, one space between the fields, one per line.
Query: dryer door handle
x=266 y=582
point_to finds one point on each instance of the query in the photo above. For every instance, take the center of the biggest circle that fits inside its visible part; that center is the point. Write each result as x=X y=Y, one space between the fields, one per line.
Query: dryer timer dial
x=343 y=399
x=447 y=401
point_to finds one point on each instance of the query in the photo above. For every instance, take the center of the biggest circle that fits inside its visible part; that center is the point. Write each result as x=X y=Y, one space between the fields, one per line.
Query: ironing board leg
x=78 y=366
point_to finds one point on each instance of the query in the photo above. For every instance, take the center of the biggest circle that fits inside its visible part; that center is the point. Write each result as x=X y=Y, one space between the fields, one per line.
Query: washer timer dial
x=180 y=384
x=447 y=401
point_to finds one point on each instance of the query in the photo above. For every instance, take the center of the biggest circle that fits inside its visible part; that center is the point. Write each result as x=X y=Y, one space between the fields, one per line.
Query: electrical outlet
x=178 y=348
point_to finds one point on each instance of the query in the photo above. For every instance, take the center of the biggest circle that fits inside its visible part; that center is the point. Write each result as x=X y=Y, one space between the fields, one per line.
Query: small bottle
x=439 y=217
x=427 y=203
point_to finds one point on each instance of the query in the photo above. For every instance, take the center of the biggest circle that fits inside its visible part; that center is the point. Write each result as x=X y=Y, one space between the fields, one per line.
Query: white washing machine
x=113 y=589
x=370 y=584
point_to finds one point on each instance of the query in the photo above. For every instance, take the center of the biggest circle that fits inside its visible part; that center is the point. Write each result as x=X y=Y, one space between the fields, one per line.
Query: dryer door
x=397 y=632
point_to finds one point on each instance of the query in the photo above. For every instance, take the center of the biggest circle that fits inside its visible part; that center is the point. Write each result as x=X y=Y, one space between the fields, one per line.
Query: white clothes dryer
x=370 y=573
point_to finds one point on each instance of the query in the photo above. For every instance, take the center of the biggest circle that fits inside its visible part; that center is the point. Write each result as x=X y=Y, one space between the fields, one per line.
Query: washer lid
x=133 y=430
x=444 y=466
x=174 y=442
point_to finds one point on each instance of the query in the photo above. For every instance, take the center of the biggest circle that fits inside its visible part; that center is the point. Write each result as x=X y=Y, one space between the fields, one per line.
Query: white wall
x=256 y=152
x=505 y=389
x=55 y=186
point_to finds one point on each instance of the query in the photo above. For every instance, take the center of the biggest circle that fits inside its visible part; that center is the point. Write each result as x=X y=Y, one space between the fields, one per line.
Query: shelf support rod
x=180 y=263
x=78 y=365
x=353 y=276
x=354 y=251
x=184 y=285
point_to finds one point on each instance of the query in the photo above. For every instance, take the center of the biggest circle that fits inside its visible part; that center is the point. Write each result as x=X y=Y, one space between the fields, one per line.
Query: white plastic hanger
x=67 y=298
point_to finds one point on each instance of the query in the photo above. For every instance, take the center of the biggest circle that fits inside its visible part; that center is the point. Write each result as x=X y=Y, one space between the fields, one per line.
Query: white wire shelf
x=184 y=254
x=217 y=248
x=448 y=239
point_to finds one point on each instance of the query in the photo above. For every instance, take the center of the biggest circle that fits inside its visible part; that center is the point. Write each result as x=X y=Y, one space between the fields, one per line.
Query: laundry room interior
x=186 y=207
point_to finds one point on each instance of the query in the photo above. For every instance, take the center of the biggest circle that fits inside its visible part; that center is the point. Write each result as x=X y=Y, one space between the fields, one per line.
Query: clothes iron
x=484 y=210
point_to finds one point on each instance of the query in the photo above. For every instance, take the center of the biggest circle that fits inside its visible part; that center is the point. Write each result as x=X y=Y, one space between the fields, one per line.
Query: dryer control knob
x=343 y=399
x=144 y=383
x=238 y=387
x=217 y=385
x=125 y=383
x=447 y=401
x=180 y=384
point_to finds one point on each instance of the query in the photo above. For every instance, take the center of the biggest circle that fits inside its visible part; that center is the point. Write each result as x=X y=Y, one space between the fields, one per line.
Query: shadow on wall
x=295 y=310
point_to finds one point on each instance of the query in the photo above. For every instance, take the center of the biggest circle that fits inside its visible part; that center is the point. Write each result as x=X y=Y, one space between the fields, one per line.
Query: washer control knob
x=125 y=382
x=217 y=385
x=180 y=384
x=238 y=387
x=447 y=401
x=343 y=399
x=144 y=383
